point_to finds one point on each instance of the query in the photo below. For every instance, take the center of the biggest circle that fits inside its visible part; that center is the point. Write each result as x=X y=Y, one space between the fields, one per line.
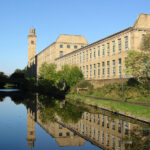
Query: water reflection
x=71 y=124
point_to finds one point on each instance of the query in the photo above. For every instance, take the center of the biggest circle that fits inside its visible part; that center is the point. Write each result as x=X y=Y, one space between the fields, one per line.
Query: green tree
x=54 y=82
x=70 y=75
x=48 y=72
x=3 y=79
x=138 y=62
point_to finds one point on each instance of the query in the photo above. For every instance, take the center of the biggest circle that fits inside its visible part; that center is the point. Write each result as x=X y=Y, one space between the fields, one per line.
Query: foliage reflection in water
x=72 y=124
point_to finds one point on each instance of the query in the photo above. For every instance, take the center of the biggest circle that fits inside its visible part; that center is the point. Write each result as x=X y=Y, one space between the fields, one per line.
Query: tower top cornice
x=32 y=32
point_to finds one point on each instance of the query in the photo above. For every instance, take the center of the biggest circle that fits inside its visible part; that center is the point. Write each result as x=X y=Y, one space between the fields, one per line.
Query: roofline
x=98 y=41
x=138 y=17
x=45 y=48
x=71 y=35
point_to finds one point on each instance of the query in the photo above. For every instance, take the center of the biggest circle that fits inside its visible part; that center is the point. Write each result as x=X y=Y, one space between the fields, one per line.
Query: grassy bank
x=133 y=110
x=128 y=91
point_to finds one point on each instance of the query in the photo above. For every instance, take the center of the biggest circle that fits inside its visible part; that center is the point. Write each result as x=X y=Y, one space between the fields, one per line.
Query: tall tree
x=138 y=62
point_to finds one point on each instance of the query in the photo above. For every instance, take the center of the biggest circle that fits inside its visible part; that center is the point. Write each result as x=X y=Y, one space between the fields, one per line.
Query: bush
x=83 y=84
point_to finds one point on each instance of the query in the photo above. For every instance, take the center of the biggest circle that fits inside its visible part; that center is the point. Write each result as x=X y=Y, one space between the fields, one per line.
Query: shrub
x=83 y=84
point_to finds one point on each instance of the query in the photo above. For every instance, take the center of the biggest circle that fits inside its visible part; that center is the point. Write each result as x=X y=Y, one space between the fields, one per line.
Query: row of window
x=113 y=122
x=100 y=136
x=67 y=134
x=100 y=52
x=68 y=46
x=99 y=69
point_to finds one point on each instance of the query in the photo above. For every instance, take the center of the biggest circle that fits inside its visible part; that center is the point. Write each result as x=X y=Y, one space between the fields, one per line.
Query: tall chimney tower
x=31 y=46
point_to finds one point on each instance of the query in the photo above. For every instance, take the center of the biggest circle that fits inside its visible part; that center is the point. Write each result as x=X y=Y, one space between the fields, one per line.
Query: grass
x=114 y=91
x=9 y=85
x=138 y=99
x=126 y=108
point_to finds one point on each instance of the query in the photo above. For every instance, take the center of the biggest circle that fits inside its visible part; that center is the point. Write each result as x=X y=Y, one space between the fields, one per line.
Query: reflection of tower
x=30 y=128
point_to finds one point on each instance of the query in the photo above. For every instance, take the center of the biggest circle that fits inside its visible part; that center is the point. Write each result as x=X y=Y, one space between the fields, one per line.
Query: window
x=126 y=43
x=98 y=120
x=103 y=69
x=90 y=53
x=86 y=116
x=120 y=66
x=87 y=71
x=94 y=53
x=107 y=122
x=60 y=127
x=87 y=55
x=119 y=144
x=80 y=57
x=98 y=136
x=98 y=70
x=75 y=47
x=83 y=56
x=60 y=53
x=114 y=67
x=119 y=126
x=94 y=70
x=108 y=47
x=143 y=38
x=90 y=131
x=113 y=142
x=67 y=133
x=113 y=47
x=126 y=128
x=98 y=51
x=94 y=133
x=103 y=137
x=61 y=46
x=113 y=124
x=90 y=117
x=68 y=46
x=119 y=45
x=107 y=139
x=103 y=50
x=103 y=121
x=60 y=134
x=108 y=68
x=90 y=71
x=32 y=42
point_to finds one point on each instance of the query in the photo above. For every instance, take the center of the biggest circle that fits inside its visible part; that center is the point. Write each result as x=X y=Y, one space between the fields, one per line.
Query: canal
x=40 y=123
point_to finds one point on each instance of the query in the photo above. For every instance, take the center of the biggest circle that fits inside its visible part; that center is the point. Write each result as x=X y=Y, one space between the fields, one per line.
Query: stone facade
x=100 y=60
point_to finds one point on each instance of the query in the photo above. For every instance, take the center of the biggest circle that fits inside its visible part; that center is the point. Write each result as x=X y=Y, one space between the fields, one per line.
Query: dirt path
x=120 y=101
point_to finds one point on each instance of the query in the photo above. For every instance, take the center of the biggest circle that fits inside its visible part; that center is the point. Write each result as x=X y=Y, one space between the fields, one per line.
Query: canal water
x=41 y=123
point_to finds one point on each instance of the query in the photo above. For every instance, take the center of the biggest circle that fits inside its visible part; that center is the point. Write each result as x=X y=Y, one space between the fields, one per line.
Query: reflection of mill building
x=102 y=60
x=102 y=131
x=63 y=136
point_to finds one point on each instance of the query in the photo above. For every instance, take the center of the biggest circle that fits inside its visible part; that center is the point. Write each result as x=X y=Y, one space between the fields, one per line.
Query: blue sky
x=94 y=19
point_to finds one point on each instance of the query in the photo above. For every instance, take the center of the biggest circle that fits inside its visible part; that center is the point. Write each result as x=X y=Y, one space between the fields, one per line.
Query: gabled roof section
x=143 y=21
x=65 y=38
